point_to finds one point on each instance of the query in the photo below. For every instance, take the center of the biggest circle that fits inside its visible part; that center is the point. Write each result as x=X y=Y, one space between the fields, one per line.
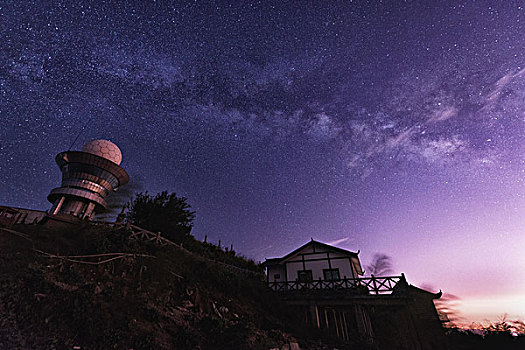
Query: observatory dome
x=105 y=149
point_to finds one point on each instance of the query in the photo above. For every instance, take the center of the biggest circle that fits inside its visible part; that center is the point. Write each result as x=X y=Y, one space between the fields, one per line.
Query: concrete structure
x=88 y=176
x=323 y=284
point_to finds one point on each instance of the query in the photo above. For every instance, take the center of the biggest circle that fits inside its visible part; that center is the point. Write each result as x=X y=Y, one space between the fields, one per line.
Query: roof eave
x=281 y=259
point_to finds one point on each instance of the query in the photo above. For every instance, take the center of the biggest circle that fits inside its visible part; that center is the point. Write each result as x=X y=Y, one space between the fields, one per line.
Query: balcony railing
x=368 y=285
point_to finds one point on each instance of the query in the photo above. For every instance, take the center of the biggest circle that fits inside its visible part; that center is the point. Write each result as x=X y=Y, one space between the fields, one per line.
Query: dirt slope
x=54 y=294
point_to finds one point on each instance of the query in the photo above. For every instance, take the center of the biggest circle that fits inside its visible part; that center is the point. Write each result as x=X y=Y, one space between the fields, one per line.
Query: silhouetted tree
x=381 y=265
x=116 y=200
x=163 y=212
x=519 y=326
x=501 y=334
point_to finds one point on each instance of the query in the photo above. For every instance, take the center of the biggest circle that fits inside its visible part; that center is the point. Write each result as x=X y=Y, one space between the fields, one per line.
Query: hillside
x=95 y=288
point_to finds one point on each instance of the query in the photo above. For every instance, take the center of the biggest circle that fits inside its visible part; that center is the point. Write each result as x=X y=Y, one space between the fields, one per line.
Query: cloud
x=442 y=150
x=323 y=127
x=443 y=114
x=499 y=88
x=372 y=143
x=442 y=118
x=28 y=67
x=402 y=138
x=338 y=241
x=433 y=118
x=140 y=67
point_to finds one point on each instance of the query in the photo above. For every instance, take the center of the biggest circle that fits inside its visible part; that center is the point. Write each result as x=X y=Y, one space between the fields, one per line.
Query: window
x=276 y=276
x=331 y=274
x=304 y=275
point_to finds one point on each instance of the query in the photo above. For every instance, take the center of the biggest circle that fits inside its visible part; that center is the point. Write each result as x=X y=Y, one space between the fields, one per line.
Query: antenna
x=80 y=132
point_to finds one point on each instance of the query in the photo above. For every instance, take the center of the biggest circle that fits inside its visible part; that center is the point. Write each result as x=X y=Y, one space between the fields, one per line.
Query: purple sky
x=383 y=127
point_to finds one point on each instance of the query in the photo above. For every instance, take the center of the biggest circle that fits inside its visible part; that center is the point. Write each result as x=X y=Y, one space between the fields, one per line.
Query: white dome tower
x=87 y=178
x=105 y=149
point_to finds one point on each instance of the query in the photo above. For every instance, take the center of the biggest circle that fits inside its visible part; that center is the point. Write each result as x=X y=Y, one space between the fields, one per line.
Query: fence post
x=374 y=284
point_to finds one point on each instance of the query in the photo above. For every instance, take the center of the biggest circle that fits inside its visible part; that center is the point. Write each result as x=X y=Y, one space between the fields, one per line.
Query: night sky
x=384 y=127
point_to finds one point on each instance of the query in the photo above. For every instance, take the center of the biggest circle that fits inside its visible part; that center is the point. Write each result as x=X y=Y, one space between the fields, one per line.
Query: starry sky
x=380 y=126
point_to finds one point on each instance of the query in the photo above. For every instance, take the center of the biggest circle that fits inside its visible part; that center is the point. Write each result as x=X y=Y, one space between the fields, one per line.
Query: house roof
x=274 y=261
x=426 y=292
x=402 y=286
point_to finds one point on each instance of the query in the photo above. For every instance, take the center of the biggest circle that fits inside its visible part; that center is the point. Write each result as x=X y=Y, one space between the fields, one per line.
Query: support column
x=340 y=325
x=364 y=325
x=59 y=205
x=314 y=312
x=345 y=325
x=89 y=210
x=336 y=324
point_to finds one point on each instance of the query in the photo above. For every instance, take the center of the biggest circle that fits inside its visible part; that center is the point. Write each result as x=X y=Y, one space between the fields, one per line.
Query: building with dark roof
x=314 y=261
x=325 y=284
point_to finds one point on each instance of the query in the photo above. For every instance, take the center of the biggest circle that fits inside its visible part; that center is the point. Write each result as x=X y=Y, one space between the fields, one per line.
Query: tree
x=381 y=265
x=116 y=200
x=164 y=212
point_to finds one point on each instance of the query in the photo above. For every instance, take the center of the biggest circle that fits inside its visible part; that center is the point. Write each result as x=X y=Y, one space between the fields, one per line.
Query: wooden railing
x=367 y=285
x=136 y=232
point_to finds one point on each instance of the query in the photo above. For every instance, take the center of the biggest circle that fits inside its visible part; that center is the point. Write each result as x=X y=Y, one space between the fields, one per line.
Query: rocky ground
x=95 y=288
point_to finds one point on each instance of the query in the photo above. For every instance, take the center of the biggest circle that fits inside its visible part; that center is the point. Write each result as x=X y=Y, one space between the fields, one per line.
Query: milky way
x=379 y=126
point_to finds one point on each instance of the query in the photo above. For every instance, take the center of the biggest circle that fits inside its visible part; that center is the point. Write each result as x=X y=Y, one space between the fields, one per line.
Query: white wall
x=345 y=269
x=294 y=264
x=291 y=270
x=338 y=255
x=317 y=268
x=276 y=270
